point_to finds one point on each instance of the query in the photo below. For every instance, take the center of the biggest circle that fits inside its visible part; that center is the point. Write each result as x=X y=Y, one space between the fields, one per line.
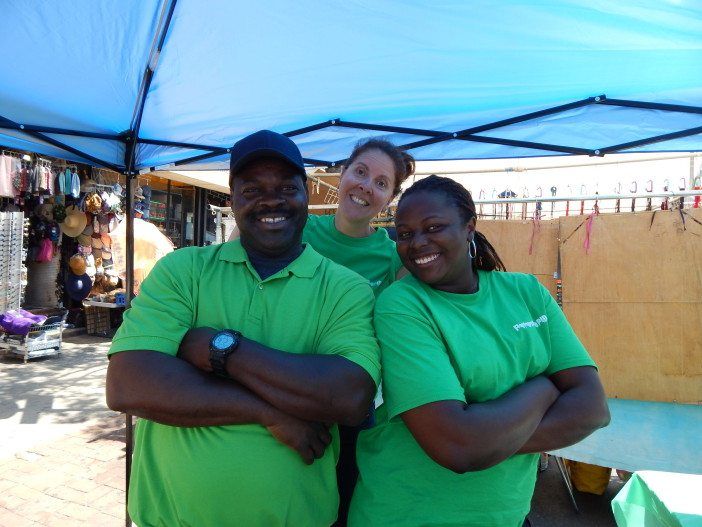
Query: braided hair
x=457 y=195
x=401 y=160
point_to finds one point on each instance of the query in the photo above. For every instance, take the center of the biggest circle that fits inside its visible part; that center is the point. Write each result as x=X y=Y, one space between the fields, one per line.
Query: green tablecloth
x=659 y=499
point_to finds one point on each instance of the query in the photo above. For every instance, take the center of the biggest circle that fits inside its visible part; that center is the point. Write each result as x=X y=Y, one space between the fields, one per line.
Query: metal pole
x=200 y=217
x=169 y=204
x=129 y=287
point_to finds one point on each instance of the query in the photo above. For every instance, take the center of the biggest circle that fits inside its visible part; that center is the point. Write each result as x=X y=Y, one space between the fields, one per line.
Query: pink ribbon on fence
x=535 y=227
x=588 y=228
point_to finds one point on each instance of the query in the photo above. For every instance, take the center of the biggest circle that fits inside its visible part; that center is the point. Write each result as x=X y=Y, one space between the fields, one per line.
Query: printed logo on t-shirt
x=531 y=324
x=375 y=284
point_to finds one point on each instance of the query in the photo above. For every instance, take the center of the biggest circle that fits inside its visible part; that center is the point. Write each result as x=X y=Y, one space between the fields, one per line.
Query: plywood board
x=644 y=351
x=642 y=257
x=512 y=240
x=636 y=301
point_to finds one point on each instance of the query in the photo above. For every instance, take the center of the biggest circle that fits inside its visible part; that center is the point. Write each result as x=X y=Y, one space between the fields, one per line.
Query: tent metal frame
x=131 y=139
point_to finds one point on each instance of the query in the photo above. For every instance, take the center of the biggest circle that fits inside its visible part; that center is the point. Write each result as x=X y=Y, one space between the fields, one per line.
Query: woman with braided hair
x=481 y=372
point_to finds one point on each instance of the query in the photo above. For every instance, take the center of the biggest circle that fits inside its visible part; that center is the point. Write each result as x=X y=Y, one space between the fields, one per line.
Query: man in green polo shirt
x=278 y=346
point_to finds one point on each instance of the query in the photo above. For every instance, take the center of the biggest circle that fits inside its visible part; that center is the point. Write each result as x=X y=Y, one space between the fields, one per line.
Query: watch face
x=223 y=341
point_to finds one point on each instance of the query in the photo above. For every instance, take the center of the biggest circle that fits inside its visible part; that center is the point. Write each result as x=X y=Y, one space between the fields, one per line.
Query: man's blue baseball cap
x=265 y=144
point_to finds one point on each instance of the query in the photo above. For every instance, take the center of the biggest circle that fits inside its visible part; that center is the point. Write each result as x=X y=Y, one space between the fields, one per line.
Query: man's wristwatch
x=222 y=345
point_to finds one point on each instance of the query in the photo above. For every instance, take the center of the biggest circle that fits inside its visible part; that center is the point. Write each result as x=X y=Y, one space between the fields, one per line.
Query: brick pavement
x=62 y=451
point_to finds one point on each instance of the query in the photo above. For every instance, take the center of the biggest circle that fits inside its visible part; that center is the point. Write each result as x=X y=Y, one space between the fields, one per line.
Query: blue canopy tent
x=155 y=83
x=143 y=84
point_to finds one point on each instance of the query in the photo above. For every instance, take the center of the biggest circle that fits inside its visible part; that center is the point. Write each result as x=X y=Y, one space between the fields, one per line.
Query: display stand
x=41 y=341
x=98 y=318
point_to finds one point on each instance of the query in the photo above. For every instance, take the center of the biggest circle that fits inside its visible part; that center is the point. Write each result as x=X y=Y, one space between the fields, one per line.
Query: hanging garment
x=19 y=181
x=44 y=179
x=6 y=188
x=74 y=187
x=61 y=181
x=30 y=175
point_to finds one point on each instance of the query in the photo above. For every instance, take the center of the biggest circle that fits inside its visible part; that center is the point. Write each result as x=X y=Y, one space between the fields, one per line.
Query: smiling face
x=432 y=241
x=366 y=186
x=269 y=198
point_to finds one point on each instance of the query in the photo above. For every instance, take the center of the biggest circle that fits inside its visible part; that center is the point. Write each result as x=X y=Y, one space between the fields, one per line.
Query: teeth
x=359 y=201
x=426 y=259
x=272 y=220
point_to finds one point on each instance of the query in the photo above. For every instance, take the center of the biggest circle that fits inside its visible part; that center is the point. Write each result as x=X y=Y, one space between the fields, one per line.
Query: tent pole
x=131 y=139
x=60 y=131
x=178 y=144
x=129 y=287
x=58 y=144
x=649 y=140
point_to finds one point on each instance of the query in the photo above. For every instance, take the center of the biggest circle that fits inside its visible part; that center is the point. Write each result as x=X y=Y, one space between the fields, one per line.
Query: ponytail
x=486 y=257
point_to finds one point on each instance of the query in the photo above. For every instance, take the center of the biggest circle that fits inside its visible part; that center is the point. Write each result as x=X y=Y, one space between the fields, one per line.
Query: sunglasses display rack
x=13 y=274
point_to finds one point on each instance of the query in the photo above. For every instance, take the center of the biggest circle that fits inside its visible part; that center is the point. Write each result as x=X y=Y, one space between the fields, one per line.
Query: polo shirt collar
x=304 y=266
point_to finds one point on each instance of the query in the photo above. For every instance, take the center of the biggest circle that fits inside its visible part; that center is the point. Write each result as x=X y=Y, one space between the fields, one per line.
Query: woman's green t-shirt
x=373 y=257
x=439 y=346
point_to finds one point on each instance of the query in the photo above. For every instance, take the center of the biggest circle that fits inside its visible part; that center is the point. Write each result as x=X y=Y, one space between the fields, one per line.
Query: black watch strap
x=222 y=345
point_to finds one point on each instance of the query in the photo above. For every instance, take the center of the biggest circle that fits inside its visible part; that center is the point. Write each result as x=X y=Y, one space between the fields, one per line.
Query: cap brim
x=264 y=152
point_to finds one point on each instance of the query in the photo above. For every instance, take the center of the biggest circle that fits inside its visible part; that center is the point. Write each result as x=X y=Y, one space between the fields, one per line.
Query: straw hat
x=106 y=255
x=74 y=223
x=83 y=239
x=96 y=242
x=93 y=203
x=77 y=264
x=106 y=240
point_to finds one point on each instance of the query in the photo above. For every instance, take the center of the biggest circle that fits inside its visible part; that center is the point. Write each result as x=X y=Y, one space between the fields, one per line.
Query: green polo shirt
x=438 y=346
x=239 y=474
x=373 y=257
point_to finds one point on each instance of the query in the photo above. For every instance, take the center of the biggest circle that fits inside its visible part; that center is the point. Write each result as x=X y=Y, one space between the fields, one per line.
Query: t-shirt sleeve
x=566 y=349
x=348 y=331
x=163 y=311
x=417 y=369
x=395 y=263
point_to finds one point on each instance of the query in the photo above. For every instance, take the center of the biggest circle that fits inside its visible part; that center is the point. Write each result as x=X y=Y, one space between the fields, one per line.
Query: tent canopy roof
x=203 y=75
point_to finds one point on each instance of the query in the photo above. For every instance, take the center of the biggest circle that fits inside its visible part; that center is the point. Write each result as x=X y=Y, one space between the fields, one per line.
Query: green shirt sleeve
x=566 y=349
x=396 y=264
x=416 y=366
x=348 y=331
x=163 y=311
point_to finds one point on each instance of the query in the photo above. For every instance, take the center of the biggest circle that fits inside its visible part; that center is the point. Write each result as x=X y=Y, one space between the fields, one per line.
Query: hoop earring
x=474 y=252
